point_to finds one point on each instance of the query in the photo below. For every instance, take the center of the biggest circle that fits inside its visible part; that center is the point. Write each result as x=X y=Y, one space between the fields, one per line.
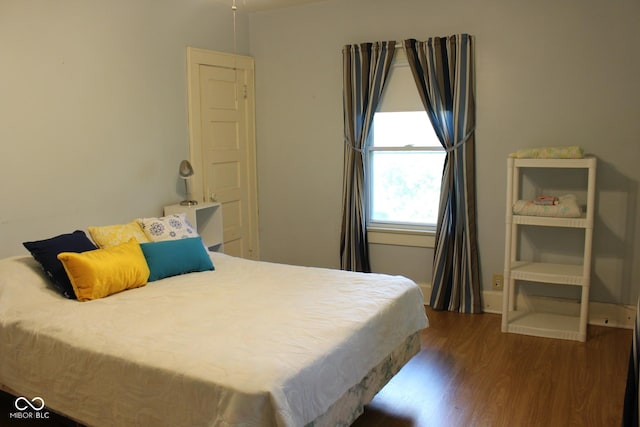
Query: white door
x=222 y=143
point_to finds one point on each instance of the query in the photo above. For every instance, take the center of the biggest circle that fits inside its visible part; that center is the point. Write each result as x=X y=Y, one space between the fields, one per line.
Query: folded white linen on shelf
x=567 y=207
x=560 y=152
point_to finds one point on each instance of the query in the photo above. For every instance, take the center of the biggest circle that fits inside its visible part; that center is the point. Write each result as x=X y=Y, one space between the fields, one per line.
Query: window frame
x=395 y=232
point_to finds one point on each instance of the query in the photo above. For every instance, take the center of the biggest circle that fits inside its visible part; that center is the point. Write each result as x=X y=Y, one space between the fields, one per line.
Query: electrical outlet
x=498 y=281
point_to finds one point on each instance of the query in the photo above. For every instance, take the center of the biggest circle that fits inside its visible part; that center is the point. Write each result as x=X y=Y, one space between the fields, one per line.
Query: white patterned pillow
x=170 y=227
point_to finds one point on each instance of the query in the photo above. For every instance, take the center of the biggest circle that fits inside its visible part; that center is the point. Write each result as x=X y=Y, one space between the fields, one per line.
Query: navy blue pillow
x=46 y=253
x=172 y=257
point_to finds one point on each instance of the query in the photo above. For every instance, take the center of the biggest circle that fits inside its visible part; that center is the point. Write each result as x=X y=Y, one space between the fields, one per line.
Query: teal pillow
x=172 y=257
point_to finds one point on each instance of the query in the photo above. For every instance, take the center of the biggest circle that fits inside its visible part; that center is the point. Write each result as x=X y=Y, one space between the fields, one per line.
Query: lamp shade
x=186 y=170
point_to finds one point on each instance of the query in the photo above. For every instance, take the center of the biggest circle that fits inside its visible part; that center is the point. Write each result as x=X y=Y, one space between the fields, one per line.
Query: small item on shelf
x=545 y=200
x=567 y=207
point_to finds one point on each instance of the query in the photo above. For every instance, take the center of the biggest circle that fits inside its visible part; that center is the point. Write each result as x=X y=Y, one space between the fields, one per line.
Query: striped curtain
x=443 y=68
x=365 y=70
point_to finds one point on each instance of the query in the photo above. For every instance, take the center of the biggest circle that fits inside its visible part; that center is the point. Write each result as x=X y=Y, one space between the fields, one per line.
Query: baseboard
x=603 y=314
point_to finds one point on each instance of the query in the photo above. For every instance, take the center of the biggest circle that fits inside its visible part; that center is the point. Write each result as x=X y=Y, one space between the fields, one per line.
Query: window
x=405 y=160
x=405 y=164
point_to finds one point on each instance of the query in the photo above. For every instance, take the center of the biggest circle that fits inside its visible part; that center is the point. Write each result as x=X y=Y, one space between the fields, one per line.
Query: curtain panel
x=443 y=69
x=365 y=70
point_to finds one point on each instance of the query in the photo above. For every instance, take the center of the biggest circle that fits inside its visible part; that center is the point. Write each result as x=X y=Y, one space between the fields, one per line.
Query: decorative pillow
x=112 y=235
x=170 y=227
x=46 y=253
x=102 y=272
x=173 y=257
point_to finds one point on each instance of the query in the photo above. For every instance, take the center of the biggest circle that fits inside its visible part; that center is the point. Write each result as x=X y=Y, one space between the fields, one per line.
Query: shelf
x=562 y=274
x=546 y=221
x=542 y=323
x=549 y=325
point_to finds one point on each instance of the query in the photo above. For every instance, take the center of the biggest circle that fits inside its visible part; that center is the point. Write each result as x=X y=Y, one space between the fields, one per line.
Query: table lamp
x=186 y=171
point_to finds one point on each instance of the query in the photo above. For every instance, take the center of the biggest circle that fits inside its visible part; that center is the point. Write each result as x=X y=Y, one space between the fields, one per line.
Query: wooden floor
x=468 y=373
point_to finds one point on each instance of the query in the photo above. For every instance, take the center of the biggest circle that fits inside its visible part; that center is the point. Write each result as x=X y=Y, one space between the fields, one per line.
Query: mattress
x=249 y=344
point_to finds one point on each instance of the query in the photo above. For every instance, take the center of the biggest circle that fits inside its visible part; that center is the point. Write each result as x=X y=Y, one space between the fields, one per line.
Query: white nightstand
x=206 y=218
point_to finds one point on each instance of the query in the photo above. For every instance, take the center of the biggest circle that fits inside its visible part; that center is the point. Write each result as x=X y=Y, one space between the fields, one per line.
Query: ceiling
x=256 y=5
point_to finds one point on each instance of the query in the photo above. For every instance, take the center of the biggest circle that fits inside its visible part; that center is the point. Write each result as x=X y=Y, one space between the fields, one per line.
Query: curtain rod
x=398 y=45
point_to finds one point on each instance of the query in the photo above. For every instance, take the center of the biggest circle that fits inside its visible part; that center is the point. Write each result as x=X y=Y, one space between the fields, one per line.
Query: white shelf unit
x=206 y=218
x=522 y=320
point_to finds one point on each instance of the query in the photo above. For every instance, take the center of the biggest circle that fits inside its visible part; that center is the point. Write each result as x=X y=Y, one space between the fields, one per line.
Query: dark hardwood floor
x=468 y=373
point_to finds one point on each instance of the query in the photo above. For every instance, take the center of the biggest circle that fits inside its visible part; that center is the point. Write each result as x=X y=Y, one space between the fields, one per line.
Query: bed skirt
x=351 y=405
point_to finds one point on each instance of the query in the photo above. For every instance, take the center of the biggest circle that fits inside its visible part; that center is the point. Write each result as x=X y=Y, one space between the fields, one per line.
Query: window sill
x=400 y=237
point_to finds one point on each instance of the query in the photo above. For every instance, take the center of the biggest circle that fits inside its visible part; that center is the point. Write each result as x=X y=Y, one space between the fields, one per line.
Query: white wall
x=93 y=116
x=548 y=73
x=93 y=119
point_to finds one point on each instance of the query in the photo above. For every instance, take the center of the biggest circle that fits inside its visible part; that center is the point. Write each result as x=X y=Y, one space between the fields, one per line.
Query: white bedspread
x=250 y=344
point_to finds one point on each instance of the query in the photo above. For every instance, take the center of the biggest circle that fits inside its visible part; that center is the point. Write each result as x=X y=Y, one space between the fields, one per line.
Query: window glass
x=405 y=186
x=405 y=164
x=403 y=128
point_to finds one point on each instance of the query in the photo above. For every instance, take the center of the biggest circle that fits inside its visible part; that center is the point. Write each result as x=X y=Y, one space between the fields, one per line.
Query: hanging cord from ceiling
x=234 y=9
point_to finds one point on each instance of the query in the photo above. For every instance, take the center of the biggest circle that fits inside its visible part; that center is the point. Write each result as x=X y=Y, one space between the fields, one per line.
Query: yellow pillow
x=111 y=235
x=102 y=272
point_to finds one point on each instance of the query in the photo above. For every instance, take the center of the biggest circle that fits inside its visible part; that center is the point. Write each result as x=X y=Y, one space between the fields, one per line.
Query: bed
x=248 y=344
